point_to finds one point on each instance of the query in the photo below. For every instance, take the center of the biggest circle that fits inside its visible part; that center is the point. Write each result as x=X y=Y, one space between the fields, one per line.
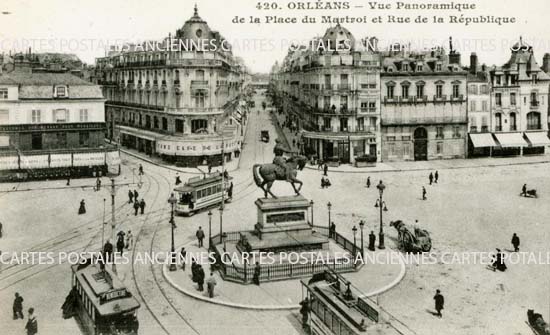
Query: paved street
x=470 y=209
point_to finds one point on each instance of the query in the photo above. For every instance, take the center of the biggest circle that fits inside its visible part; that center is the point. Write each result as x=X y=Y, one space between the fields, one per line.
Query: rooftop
x=41 y=79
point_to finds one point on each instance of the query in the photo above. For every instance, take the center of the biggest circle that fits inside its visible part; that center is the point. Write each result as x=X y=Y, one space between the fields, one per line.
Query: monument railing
x=338 y=239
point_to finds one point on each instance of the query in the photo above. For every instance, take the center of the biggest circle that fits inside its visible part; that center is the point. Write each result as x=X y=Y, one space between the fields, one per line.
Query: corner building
x=180 y=99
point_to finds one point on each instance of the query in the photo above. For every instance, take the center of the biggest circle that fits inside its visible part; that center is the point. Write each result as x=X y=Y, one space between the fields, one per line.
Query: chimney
x=454 y=56
x=546 y=63
x=473 y=63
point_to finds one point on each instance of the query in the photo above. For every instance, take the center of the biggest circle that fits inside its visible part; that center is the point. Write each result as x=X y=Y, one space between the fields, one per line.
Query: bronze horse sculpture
x=266 y=174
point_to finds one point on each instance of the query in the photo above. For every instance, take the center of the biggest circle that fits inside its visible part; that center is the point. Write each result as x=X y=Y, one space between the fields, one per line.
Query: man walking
x=183 y=257
x=136 y=207
x=325 y=169
x=200 y=277
x=142 y=205
x=18 y=307
x=368 y=182
x=130 y=196
x=129 y=240
x=431 y=177
x=439 y=302
x=210 y=284
x=524 y=190
x=515 y=242
x=1 y=230
x=140 y=169
x=436 y=176
x=424 y=193
x=200 y=236
x=98 y=184
x=257 y=272
x=136 y=194
x=32 y=324
x=304 y=310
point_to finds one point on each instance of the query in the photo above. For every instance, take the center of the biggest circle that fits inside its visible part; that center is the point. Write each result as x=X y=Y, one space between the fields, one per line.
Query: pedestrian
x=32 y=324
x=107 y=251
x=69 y=180
x=230 y=190
x=18 y=307
x=97 y=184
x=323 y=182
x=194 y=270
x=200 y=236
x=304 y=310
x=210 y=284
x=372 y=240
x=524 y=190
x=142 y=205
x=424 y=193
x=498 y=263
x=136 y=207
x=82 y=208
x=140 y=169
x=325 y=169
x=332 y=230
x=130 y=196
x=1 y=230
x=200 y=277
x=257 y=272
x=319 y=164
x=209 y=168
x=368 y=182
x=439 y=302
x=129 y=240
x=183 y=255
x=515 y=242
x=136 y=195
x=120 y=244
x=436 y=176
x=178 y=180
x=431 y=178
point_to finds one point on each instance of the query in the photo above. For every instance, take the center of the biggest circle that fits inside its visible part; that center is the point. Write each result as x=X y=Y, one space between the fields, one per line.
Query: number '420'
x=267 y=5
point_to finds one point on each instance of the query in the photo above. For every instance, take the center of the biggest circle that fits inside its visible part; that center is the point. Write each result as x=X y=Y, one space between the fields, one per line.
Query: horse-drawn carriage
x=264 y=136
x=537 y=323
x=412 y=239
x=530 y=194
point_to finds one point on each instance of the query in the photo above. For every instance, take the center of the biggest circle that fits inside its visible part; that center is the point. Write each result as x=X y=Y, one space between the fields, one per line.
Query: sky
x=85 y=27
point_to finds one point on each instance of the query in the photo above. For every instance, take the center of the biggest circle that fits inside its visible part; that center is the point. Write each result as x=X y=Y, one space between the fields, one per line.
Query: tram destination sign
x=112 y=295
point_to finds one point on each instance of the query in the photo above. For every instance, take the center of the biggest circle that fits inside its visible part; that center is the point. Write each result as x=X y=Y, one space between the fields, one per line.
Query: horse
x=417 y=241
x=266 y=174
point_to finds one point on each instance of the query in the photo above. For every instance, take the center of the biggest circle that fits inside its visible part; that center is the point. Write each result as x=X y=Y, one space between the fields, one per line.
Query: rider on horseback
x=280 y=160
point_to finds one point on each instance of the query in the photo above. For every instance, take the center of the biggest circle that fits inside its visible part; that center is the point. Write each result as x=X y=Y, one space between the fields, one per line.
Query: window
x=199 y=75
x=473 y=125
x=534 y=100
x=164 y=123
x=61 y=115
x=439 y=91
x=199 y=126
x=456 y=91
x=405 y=91
x=391 y=149
x=439 y=148
x=484 y=106
x=84 y=139
x=4 y=116
x=405 y=67
x=343 y=102
x=438 y=67
x=419 y=91
x=439 y=132
x=498 y=80
x=360 y=124
x=83 y=115
x=498 y=122
x=199 y=99
x=61 y=91
x=419 y=68
x=35 y=116
x=498 y=99
x=533 y=121
x=344 y=124
x=472 y=89
x=61 y=140
x=512 y=99
x=513 y=125
x=473 y=106
x=326 y=124
x=36 y=141
x=456 y=132
x=390 y=91
x=3 y=93
x=179 y=126
x=406 y=150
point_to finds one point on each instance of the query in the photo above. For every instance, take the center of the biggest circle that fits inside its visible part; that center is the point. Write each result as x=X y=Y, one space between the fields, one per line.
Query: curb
x=390 y=285
x=432 y=168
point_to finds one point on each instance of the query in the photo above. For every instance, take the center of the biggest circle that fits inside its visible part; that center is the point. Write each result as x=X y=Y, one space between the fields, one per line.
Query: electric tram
x=100 y=302
x=199 y=193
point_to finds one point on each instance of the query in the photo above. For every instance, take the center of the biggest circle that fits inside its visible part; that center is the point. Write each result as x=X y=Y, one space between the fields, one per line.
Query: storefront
x=341 y=148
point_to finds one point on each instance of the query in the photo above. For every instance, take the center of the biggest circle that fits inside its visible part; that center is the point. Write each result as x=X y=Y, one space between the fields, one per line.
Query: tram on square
x=100 y=302
x=200 y=193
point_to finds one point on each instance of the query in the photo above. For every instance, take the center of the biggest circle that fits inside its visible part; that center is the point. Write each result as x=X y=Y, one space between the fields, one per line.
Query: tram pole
x=223 y=185
x=113 y=221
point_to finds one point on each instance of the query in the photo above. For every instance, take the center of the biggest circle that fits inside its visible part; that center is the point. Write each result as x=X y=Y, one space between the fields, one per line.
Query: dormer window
x=390 y=69
x=419 y=68
x=3 y=93
x=438 y=67
x=405 y=67
x=61 y=91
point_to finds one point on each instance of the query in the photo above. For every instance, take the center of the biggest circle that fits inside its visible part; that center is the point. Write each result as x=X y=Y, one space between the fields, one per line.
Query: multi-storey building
x=479 y=110
x=52 y=125
x=178 y=99
x=424 y=114
x=519 y=104
x=333 y=91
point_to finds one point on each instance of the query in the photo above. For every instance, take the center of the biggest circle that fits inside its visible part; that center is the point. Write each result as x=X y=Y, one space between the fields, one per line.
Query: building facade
x=52 y=125
x=332 y=93
x=181 y=103
x=424 y=113
x=519 y=104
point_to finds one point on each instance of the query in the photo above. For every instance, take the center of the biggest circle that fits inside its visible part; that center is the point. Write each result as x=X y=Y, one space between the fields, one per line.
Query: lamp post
x=329 y=206
x=209 y=229
x=311 y=204
x=172 y=201
x=382 y=205
x=221 y=219
x=361 y=226
x=354 y=230
x=224 y=238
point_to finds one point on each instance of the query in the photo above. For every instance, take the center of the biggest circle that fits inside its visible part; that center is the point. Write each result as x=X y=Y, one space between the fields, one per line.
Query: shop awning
x=510 y=140
x=483 y=140
x=538 y=138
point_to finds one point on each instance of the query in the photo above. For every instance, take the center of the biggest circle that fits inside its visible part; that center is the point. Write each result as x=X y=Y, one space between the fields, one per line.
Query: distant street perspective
x=356 y=191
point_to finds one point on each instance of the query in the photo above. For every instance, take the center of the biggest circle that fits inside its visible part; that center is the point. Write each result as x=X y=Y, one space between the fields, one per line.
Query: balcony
x=134 y=105
x=498 y=128
x=421 y=98
x=457 y=98
x=424 y=120
x=199 y=84
x=342 y=87
x=534 y=103
x=369 y=110
x=390 y=100
x=440 y=98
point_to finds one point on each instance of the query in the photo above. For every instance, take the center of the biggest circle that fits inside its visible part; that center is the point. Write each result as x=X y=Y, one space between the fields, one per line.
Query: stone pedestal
x=282 y=225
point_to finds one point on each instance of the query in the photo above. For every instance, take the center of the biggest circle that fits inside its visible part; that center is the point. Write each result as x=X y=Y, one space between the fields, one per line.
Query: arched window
x=533 y=121
x=199 y=126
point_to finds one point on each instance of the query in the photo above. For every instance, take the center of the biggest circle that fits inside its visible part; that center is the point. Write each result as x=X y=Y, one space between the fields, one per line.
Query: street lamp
x=221 y=219
x=382 y=205
x=311 y=204
x=172 y=201
x=224 y=238
x=209 y=228
x=329 y=206
x=354 y=230
x=361 y=226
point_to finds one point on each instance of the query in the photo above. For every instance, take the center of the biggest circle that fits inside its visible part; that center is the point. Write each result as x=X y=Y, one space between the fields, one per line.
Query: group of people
x=32 y=324
x=325 y=182
x=198 y=276
x=124 y=240
x=133 y=198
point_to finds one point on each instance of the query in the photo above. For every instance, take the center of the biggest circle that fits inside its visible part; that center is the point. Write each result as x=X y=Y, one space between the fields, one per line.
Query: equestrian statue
x=281 y=169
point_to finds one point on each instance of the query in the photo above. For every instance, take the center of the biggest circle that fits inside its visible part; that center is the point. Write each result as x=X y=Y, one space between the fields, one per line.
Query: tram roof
x=98 y=283
x=193 y=183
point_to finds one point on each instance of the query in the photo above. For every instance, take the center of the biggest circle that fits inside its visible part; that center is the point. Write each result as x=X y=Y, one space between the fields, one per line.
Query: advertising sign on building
x=89 y=159
x=9 y=163
x=34 y=162
x=60 y=160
